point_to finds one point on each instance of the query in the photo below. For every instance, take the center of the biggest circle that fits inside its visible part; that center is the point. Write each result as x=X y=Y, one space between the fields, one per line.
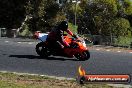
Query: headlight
x=84 y=44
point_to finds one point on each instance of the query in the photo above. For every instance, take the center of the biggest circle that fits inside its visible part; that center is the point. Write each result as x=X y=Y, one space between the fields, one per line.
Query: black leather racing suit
x=56 y=39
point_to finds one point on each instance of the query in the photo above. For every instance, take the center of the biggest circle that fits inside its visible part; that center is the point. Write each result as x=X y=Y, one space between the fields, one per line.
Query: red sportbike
x=77 y=49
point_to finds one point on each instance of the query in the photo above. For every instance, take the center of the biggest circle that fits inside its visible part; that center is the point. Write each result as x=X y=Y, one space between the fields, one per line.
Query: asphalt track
x=17 y=55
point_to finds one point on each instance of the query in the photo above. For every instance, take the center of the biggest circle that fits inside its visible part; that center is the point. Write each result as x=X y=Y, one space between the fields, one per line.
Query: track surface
x=17 y=55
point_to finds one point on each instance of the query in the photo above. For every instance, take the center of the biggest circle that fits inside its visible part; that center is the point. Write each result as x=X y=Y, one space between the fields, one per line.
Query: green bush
x=123 y=41
x=25 y=32
x=73 y=28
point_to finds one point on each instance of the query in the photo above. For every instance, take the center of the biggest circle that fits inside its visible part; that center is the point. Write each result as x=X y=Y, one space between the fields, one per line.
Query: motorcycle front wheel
x=83 y=56
x=42 y=49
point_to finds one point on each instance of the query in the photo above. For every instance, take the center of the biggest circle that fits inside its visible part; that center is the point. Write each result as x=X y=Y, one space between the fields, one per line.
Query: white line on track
x=108 y=50
x=97 y=49
x=30 y=43
x=130 y=52
x=19 y=42
x=6 y=41
x=118 y=51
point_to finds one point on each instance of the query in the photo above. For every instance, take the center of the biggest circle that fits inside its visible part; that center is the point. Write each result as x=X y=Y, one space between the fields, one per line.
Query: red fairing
x=77 y=48
x=65 y=43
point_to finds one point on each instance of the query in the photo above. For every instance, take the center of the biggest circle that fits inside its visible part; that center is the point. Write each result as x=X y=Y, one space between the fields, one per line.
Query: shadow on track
x=38 y=57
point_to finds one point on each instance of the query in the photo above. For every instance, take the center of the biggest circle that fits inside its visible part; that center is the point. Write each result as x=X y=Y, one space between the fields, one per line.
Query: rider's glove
x=74 y=36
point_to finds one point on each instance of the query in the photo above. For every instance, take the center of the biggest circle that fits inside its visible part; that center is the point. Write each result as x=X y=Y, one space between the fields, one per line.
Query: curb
x=54 y=77
x=110 y=49
x=120 y=85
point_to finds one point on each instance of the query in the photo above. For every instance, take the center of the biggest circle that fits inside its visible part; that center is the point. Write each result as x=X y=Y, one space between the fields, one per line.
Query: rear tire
x=42 y=49
x=84 y=56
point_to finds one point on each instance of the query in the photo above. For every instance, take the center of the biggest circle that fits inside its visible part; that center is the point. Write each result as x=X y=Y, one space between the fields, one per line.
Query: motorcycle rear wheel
x=42 y=50
x=83 y=56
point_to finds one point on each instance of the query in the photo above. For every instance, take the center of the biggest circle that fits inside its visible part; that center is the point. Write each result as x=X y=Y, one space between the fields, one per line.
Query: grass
x=11 y=80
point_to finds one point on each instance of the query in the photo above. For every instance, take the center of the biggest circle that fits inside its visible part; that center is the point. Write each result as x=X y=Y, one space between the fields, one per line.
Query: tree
x=12 y=13
x=127 y=7
x=125 y=10
x=120 y=27
x=44 y=13
x=101 y=12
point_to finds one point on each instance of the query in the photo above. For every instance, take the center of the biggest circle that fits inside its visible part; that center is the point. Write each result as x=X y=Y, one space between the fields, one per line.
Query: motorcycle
x=77 y=49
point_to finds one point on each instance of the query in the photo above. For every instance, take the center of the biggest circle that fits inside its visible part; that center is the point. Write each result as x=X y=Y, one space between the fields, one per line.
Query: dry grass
x=11 y=80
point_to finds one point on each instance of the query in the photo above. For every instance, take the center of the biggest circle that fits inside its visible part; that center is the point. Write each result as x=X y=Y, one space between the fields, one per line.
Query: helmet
x=63 y=25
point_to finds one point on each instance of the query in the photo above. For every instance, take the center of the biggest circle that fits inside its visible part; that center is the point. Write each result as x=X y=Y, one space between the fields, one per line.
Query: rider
x=55 y=37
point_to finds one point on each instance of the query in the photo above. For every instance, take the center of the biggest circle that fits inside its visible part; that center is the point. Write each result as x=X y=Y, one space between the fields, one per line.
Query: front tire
x=83 y=56
x=42 y=49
